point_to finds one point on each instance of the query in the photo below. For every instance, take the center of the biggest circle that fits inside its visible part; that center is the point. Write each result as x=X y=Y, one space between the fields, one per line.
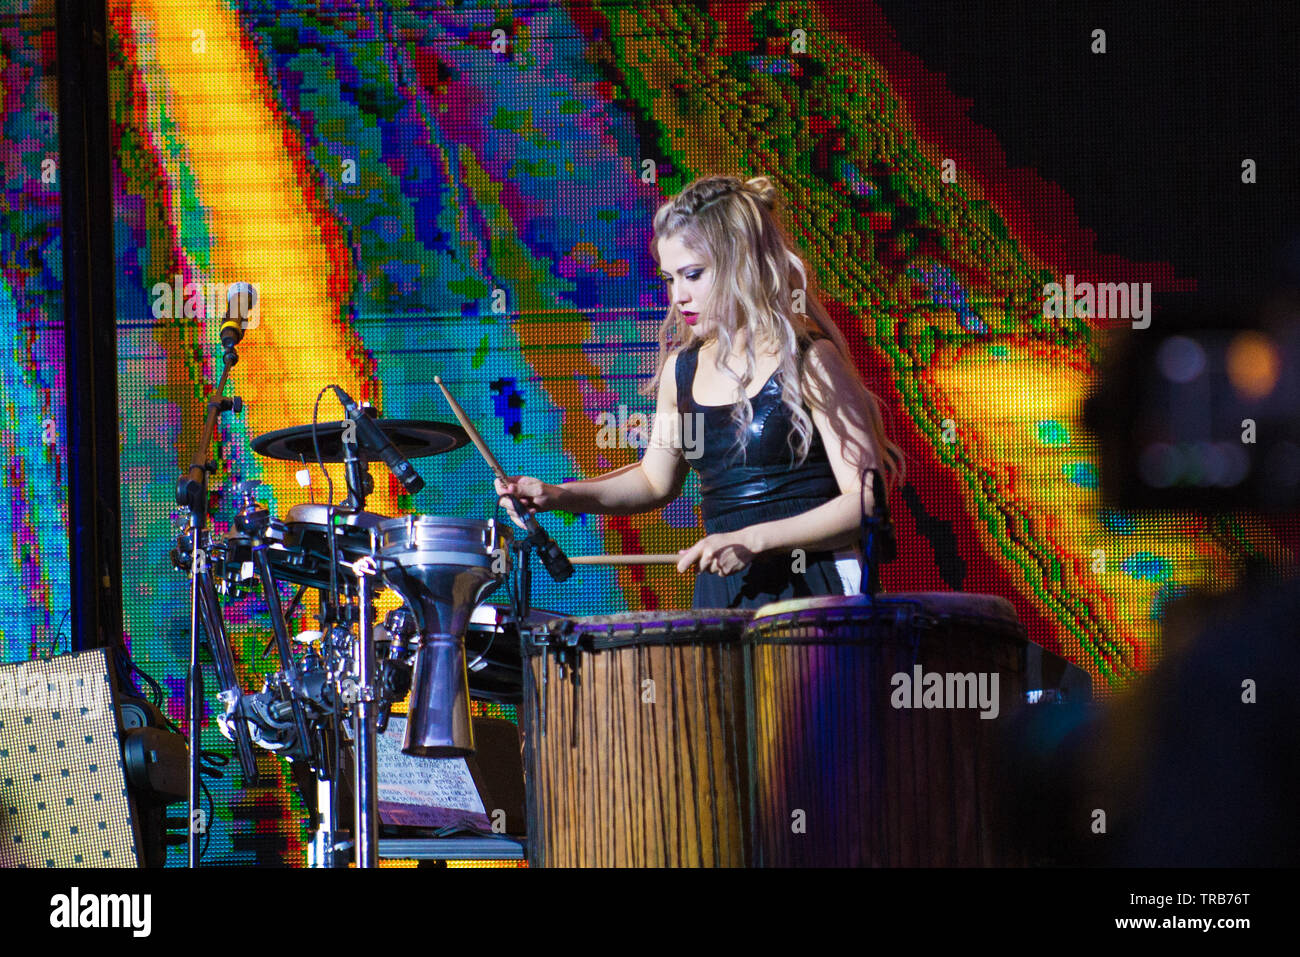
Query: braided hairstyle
x=761 y=285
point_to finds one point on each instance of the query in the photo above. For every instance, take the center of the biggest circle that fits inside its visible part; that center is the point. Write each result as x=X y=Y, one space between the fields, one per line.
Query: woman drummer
x=751 y=363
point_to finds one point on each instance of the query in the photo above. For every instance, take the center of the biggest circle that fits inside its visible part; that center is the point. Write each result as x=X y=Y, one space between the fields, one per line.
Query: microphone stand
x=192 y=492
x=521 y=589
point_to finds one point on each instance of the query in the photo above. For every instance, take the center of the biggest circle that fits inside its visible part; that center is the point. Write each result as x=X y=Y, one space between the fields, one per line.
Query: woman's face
x=688 y=277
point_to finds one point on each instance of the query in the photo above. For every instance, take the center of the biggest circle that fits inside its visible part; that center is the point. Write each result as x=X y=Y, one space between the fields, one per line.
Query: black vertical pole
x=89 y=325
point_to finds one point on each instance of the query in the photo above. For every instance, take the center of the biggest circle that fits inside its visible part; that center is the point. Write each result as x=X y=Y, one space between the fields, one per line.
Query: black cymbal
x=414 y=438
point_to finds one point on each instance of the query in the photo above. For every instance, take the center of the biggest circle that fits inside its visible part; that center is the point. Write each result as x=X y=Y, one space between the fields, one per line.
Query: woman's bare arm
x=651 y=483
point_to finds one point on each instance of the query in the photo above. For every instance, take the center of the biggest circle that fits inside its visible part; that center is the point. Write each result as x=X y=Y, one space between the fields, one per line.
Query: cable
x=865 y=535
x=315 y=444
x=329 y=506
x=879 y=544
x=122 y=665
x=212 y=813
x=55 y=643
x=209 y=761
x=514 y=608
x=156 y=698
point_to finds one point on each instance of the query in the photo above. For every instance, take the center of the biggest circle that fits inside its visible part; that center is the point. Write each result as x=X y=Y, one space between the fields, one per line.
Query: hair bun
x=762 y=189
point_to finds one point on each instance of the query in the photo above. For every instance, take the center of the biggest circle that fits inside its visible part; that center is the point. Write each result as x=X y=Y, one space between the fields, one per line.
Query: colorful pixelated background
x=33 y=518
x=468 y=193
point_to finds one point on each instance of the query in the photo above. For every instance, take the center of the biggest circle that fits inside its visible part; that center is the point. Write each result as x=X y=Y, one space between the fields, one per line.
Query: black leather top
x=764 y=485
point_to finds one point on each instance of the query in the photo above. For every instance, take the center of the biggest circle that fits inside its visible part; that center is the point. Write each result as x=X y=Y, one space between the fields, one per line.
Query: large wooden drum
x=634 y=741
x=872 y=728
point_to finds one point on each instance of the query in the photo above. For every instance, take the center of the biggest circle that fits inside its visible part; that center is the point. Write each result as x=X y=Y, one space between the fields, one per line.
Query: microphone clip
x=372 y=439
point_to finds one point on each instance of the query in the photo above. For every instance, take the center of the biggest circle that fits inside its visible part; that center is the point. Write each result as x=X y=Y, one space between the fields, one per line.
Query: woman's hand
x=722 y=554
x=533 y=495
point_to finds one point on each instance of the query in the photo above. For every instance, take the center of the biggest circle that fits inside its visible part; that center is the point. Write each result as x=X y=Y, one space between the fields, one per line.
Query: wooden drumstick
x=624 y=559
x=472 y=432
x=500 y=473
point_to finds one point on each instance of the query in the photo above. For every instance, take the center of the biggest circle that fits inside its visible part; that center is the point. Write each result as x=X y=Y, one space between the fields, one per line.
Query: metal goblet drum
x=443 y=568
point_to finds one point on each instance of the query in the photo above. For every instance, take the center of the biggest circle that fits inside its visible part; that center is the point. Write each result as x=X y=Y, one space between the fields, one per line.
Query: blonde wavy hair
x=757 y=271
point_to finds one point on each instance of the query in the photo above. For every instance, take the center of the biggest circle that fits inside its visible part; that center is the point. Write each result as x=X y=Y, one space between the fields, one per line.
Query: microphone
x=240 y=300
x=557 y=564
x=374 y=438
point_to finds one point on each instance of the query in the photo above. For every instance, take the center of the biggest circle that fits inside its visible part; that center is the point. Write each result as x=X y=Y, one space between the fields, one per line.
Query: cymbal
x=414 y=438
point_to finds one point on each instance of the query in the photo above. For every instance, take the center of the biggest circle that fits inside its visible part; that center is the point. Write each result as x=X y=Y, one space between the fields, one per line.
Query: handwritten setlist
x=425 y=792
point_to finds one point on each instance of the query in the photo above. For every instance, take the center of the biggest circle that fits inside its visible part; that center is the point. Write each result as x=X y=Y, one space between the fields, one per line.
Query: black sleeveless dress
x=763 y=486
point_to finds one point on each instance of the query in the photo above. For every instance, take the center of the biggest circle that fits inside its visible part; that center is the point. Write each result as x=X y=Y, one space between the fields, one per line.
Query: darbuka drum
x=853 y=763
x=634 y=731
x=442 y=568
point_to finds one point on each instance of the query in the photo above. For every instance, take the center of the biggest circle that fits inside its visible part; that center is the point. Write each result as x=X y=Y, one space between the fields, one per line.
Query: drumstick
x=624 y=559
x=474 y=437
x=492 y=462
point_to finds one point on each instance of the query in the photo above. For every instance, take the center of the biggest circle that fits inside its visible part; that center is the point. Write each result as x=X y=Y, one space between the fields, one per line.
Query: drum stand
x=359 y=690
x=303 y=711
x=264 y=531
x=192 y=492
x=365 y=791
x=330 y=840
x=320 y=852
x=356 y=687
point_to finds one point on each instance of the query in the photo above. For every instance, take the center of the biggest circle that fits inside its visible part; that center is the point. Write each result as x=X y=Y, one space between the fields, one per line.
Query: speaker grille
x=63 y=797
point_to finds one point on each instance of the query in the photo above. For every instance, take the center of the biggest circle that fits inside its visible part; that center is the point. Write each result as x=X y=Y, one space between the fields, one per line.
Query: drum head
x=426 y=539
x=304 y=558
x=666 y=627
x=854 y=617
x=961 y=604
